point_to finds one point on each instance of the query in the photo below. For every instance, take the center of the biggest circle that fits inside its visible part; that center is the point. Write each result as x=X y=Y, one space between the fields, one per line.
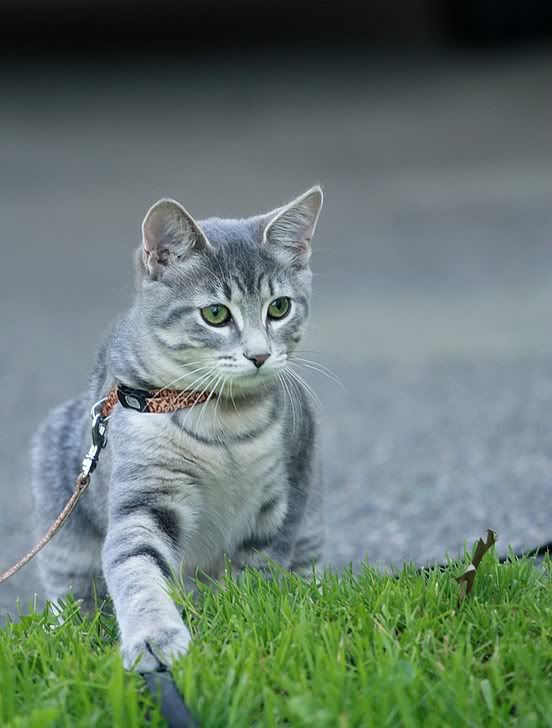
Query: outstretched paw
x=155 y=648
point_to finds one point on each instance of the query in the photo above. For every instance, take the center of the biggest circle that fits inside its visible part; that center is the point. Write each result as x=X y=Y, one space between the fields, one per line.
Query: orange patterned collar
x=157 y=401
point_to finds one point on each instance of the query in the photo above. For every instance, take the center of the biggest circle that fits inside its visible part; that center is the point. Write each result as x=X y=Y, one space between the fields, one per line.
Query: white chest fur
x=223 y=464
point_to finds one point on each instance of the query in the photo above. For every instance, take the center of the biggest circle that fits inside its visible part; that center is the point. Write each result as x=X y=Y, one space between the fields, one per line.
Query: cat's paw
x=148 y=650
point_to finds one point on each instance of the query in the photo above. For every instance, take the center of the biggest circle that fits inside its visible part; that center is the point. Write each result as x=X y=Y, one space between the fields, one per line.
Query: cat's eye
x=278 y=308
x=216 y=314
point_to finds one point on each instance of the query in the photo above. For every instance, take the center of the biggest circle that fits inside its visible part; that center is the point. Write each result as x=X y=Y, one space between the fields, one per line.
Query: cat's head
x=224 y=302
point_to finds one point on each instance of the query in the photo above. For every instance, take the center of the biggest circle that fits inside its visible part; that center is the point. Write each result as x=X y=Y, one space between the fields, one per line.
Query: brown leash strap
x=81 y=485
x=157 y=402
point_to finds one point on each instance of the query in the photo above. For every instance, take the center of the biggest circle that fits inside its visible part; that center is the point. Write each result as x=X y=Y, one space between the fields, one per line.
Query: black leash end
x=173 y=708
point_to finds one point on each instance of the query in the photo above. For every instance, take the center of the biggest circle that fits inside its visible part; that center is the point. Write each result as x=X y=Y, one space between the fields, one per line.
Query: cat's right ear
x=169 y=233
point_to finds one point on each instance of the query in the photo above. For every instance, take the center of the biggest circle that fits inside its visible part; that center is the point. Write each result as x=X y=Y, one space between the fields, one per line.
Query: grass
x=364 y=650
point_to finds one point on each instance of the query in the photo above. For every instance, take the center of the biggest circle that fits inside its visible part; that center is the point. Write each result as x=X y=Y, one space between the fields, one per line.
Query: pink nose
x=257 y=359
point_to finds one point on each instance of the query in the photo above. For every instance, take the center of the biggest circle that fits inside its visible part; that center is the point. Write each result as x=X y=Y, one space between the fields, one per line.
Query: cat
x=220 y=307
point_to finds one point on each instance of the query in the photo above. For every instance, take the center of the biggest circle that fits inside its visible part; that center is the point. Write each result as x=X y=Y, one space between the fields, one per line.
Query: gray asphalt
x=434 y=293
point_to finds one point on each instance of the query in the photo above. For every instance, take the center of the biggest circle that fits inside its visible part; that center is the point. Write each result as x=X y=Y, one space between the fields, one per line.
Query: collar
x=157 y=401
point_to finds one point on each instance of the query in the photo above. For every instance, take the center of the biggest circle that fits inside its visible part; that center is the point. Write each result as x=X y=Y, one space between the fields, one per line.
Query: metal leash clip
x=99 y=441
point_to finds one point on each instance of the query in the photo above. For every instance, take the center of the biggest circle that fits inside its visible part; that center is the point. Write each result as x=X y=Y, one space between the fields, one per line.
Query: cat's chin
x=257 y=383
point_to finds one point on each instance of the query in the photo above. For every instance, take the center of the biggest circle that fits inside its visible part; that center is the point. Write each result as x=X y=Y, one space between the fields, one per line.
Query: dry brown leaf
x=467 y=579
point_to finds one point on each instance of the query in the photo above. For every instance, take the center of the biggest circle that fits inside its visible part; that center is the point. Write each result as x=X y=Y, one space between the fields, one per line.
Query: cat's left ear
x=290 y=228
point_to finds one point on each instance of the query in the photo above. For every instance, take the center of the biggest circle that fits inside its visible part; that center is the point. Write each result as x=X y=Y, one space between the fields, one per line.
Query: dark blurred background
x=428 y=123
x=172 y=28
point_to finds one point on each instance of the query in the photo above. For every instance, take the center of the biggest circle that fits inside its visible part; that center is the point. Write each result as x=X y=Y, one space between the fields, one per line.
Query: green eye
x=216 y=314
x=278 y=308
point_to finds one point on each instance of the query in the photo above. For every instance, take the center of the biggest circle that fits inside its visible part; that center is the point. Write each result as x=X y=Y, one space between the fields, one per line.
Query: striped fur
x=233 y=478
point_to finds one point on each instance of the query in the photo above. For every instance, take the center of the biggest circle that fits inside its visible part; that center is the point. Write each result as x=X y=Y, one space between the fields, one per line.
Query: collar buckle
x=99 y=441
x=135 y=399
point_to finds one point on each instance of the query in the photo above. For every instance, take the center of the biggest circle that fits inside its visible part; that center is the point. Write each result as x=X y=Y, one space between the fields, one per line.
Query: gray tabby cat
x=221 y=305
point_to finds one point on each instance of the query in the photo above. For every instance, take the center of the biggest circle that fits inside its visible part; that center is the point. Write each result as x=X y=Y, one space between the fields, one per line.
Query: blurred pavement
x=434 y=255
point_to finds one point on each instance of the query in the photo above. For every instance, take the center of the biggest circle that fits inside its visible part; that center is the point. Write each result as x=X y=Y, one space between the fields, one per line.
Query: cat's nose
x=257 y=359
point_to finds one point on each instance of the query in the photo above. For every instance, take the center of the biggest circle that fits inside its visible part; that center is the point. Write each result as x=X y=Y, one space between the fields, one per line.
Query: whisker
x=179 y=379
x=175 y=381
x=295 y=389
x=282 y=380
x=200 y=380
x=341 y=358
x=317 y=363
x=330 y=375
x=211 y=378
x=207 y=377
x=219 y=396
x=232 y=396
x=315 y=398
x=202 y=415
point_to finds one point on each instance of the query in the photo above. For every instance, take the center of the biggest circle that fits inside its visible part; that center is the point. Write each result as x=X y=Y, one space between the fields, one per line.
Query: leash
x=164 y=691
x=160 y=401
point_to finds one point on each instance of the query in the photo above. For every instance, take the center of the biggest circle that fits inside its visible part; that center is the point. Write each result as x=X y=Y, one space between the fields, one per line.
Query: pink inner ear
x=302 y=244
x=151 y=259
x=153 y=233
x=148 y=247
x=156 y=239
x=307 y=235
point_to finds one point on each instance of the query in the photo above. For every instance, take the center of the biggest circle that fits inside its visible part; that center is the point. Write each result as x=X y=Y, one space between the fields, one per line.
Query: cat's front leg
x=137 y=560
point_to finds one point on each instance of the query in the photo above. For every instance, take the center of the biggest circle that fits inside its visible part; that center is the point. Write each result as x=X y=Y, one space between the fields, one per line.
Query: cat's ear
x=290 y=228
x=169 y=233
